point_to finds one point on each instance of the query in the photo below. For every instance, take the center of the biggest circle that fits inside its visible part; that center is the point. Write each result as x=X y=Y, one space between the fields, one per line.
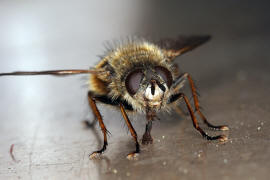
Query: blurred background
x=42 y=115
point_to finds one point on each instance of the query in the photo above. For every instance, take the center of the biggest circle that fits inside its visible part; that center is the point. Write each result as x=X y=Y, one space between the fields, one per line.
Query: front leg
x=95 y=110
x=133 y=133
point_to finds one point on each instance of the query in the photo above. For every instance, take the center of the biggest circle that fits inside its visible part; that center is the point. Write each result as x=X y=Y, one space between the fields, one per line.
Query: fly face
x=149 y=86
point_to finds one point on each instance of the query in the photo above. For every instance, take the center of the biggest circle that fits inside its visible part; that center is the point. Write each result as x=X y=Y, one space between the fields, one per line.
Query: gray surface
x=42 y=116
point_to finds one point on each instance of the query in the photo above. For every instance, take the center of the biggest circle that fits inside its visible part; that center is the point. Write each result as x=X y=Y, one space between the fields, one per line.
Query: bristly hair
x=112 y=45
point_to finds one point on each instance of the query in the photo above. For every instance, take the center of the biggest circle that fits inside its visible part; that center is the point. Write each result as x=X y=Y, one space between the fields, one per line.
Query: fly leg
x=179 y=80
x=194 y=120
x=96 y=112
x=133 y=134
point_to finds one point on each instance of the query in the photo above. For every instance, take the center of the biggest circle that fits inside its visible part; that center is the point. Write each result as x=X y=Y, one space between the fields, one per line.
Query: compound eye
x=133 y=81
x=165 y=74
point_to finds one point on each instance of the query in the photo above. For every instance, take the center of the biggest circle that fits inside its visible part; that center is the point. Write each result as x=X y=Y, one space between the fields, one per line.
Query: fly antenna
x=65 y=72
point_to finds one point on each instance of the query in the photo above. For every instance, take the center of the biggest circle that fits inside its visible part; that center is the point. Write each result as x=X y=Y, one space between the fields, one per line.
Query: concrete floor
x=42 y=116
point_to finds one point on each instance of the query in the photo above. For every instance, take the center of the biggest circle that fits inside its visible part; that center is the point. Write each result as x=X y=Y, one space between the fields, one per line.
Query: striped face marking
x=154 y=93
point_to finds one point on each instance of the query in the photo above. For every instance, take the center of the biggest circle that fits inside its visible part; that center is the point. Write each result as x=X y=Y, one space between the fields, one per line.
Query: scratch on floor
x=12 y=154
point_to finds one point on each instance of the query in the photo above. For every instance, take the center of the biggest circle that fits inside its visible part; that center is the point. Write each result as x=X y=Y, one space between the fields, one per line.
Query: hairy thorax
x=123 y=60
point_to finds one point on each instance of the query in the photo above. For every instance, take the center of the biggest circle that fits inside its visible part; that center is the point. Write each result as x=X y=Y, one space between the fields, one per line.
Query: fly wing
x=181 y=44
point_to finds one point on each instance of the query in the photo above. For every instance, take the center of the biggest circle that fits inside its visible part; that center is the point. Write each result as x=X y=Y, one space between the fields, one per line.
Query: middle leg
x=181 y=79
x=195 y=122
